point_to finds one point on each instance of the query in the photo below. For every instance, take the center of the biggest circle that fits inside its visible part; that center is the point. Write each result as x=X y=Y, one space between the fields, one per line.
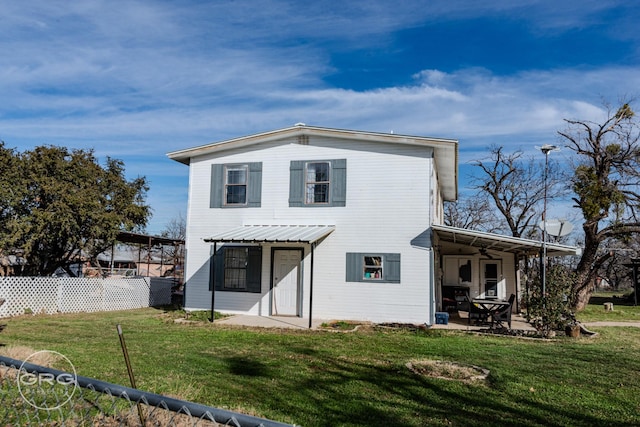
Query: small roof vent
x=299 y=124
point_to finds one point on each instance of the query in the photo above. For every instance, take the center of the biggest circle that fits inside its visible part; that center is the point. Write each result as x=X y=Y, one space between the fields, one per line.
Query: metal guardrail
x=98 y=403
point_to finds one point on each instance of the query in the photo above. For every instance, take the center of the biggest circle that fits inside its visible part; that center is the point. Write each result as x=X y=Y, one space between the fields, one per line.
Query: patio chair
x=477 y=314
x=504 y=314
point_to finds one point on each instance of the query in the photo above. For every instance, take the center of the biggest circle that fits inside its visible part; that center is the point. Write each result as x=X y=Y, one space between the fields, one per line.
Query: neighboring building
x=335 y=224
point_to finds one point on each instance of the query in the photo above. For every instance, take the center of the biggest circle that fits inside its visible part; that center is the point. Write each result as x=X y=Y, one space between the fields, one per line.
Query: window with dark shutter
x=235 y=269
x=373 y=267
x=318 y=183
x=236 y=185
x=238 y=269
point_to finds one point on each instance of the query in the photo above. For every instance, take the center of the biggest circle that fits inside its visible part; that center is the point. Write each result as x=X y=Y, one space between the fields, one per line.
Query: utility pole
x=546 y=149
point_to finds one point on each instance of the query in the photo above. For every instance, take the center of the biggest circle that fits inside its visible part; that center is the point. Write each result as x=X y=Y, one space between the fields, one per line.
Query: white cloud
x=138 y=79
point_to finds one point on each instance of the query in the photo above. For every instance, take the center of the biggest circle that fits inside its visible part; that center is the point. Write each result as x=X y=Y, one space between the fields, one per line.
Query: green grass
x=317 y=378
x=623 y=308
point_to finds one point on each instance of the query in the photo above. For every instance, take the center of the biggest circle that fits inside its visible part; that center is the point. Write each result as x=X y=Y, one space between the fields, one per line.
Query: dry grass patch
x=448 y=371
x=342 y=325
x=20 y=352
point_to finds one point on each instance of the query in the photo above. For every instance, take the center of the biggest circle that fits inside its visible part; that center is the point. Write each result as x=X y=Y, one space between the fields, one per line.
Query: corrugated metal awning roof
x=500 y=242
x=273 y=233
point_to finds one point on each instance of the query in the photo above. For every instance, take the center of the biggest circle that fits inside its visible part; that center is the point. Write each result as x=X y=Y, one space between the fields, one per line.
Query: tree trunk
x=585 y=271
x=582 y=294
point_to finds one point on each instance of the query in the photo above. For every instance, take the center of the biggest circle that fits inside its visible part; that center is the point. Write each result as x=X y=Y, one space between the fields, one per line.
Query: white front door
x=286 y=283
x=492 y=278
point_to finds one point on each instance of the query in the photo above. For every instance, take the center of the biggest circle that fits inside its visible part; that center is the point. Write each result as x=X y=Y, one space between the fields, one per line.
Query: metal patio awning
x=273 y=234
x=500 y=242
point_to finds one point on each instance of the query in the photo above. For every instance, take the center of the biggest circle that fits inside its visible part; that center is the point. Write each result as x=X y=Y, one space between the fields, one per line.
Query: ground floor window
x=237 y=269
x=373 y=267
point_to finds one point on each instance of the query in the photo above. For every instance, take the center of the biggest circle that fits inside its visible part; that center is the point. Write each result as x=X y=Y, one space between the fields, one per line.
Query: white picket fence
x=72 y=294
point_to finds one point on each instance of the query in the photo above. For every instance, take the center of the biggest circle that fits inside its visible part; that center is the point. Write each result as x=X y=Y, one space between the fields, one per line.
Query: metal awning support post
x=149 y=258
x=212 y=279
x=161 y=260
x=516 y=268
x=113 y=250
x=313 y=247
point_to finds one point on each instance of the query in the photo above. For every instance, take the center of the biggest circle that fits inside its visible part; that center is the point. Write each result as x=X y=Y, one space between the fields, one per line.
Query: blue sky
x=137 y=79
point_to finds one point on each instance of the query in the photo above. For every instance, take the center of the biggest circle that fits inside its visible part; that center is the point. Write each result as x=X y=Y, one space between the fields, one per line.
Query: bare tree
x=614 y=270
x=473 y=213
x=176 y=228
x=514 y=185
x=606 y=183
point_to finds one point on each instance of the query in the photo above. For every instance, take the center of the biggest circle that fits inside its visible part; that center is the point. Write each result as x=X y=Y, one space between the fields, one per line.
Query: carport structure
x=150 y=242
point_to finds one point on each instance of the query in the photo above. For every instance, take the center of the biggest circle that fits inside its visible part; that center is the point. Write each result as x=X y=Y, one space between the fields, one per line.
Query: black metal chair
x=503 y=314
x=477 y=314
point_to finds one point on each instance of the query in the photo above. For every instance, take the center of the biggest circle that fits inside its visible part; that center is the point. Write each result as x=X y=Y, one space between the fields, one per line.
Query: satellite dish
x=557 y=227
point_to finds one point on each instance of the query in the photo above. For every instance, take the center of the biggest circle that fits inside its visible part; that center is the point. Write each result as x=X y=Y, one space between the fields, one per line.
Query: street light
x=546 y=149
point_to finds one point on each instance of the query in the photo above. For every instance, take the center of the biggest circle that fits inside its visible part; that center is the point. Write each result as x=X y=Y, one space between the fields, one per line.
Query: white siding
x=388 y=192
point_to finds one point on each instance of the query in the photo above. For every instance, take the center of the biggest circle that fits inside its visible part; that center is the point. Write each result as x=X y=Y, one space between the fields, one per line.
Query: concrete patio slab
x=270 y=321
x=456 y=322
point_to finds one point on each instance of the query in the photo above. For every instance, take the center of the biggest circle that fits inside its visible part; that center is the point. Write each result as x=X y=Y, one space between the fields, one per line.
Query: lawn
x=623 y=308
x=319 y=378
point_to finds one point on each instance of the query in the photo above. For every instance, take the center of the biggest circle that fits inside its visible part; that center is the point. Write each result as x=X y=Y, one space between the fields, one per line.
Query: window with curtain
x=317 y=182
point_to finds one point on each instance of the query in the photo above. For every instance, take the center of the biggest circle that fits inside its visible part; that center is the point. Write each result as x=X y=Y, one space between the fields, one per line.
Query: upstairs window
x=317 y=182
x=235 y=186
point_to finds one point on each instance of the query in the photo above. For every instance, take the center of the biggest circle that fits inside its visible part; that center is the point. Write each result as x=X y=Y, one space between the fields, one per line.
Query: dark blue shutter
x=216 y=275
x=354 y=267
x=391 y=268
x=296 y=183
x=217 y=186
x=254 y=196
x=254 y=269
x=339 y=182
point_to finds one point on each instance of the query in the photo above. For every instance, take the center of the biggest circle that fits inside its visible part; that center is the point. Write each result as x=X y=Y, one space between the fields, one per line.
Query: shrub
x=551 y=312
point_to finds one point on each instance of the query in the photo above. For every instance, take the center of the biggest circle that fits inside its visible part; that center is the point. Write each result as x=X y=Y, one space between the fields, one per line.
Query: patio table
x=490 y=306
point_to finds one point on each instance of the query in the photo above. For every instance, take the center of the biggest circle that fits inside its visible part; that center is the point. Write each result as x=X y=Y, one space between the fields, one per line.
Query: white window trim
x=307 y=183
x=228 y=168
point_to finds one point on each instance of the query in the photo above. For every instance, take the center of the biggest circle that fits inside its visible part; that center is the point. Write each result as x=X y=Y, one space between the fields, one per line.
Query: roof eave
x=445 y=150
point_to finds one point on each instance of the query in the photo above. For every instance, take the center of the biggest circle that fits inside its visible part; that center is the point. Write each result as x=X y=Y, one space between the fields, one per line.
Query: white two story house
x=325 y=223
